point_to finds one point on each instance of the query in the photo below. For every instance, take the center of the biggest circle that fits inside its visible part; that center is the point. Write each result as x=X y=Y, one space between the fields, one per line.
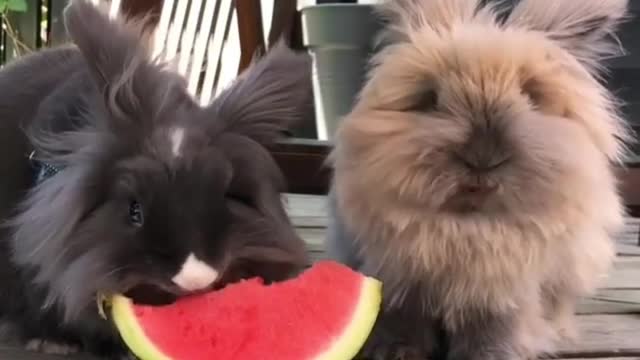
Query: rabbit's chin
x=151 y=295
x=474 y=202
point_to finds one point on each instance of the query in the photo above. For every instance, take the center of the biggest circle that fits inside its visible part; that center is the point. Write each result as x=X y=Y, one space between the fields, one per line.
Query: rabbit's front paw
x=51 y=347
x=391 y=351
x=401 y=352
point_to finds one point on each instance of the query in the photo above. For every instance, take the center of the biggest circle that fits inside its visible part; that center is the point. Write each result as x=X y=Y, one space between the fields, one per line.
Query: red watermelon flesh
x=325 y=313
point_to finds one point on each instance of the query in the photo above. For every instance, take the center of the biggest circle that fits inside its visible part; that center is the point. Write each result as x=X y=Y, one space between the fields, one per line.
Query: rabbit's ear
x=268 y=98
x=113 y=50
x=405 y=17
x=585 y=28
x=110 y=46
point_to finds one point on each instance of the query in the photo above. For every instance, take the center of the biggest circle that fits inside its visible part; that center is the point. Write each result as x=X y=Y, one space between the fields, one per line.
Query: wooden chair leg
x=137 y=8
x=283 y=21
x=249 y=14
x=286 y=24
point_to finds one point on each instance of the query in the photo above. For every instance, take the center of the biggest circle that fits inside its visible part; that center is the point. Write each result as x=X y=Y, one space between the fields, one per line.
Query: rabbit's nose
x=484 y=151
x=195 y=274
x=482 y=163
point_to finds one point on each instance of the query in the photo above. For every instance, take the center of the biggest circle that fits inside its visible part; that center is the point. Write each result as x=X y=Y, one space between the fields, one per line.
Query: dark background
x=624 y=76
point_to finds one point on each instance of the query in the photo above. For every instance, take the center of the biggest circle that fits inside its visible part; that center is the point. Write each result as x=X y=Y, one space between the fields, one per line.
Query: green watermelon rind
x=345 y=346
x=362 y=322
x=123 y=315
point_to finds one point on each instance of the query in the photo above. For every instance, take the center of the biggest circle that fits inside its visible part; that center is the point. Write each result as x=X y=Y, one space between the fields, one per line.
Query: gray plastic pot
x=339 y=38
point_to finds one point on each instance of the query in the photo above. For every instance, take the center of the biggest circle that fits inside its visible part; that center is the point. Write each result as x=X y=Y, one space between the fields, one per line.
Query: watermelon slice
x=326 y=313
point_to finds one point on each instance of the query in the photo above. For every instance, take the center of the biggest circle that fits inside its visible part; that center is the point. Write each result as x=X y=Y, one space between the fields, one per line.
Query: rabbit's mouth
x=156 y=293
x=150 y=294
x=472 y=197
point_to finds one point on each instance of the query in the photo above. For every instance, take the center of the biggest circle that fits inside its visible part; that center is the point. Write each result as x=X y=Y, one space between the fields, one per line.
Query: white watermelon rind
x=346 y=346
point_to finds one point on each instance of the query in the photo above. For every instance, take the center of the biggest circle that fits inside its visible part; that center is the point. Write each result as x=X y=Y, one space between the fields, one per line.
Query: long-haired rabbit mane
x=154 y=190
x=475 y=172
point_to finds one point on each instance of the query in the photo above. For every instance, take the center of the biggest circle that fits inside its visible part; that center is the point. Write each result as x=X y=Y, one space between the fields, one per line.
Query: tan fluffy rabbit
x=474 y=175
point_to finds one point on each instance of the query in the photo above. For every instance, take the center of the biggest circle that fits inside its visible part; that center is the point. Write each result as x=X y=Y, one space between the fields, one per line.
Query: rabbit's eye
x=427 y=101
x=241 y=199
x=136 y=216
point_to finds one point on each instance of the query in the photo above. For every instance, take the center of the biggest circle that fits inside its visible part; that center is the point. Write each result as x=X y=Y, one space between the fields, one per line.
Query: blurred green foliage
x=13 y=5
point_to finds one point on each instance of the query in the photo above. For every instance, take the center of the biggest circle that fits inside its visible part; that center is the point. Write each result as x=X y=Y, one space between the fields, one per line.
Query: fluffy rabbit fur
x=474 y=176
x=157 y=196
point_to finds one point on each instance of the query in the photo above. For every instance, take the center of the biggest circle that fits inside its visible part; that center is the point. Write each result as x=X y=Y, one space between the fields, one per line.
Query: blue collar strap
x=43 y=170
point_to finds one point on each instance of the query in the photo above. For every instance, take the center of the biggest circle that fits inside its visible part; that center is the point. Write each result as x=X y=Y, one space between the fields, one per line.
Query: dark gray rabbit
x=147 y=193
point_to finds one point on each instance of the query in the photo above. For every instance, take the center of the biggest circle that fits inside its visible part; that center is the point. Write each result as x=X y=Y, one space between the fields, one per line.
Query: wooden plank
x=12 y=353
x=303 y=163
x=17 y=354
x=317 y=224
x=138 y=8
x=619 y=294
x=628 y=239
x=607 y=301
x=306 y=210
x=311 y=226
x=606 y=335
x=314 y=237
x=609 y=321
x=601 y=335
x=282 y=22
x=625 y=274
x=626 y=249
x=251 y=32
x=630 y=187
x=311 y=211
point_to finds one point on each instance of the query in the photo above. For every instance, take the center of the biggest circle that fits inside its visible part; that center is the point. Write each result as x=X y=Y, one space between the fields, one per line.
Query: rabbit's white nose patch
x=195 y=274
x=176 y=137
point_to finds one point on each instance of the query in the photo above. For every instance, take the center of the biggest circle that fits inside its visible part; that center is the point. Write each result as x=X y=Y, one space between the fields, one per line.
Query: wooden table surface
x=609 y=322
